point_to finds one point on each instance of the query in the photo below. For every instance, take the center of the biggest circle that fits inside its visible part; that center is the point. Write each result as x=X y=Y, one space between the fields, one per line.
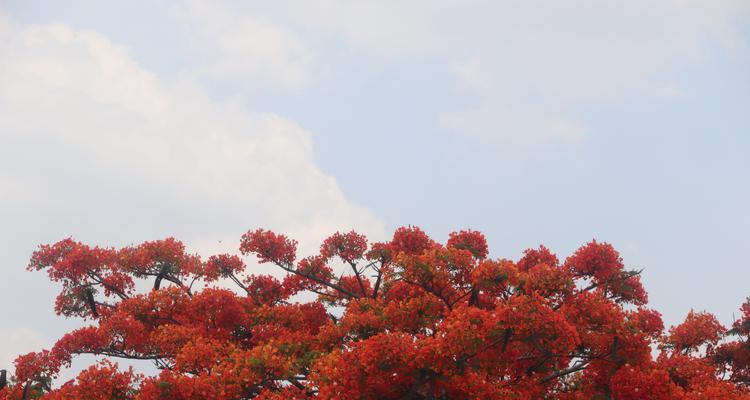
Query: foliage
x=411 y=319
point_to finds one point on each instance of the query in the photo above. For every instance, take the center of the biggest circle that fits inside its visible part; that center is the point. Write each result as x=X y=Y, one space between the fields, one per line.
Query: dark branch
x=317 y=280
x=574 y=368
x=26 y=390
x=359 y=278
x=377 y=283
x=89 y=297
x=615 y=344
x=474 y=299
x=506 y=338
x=162 y=272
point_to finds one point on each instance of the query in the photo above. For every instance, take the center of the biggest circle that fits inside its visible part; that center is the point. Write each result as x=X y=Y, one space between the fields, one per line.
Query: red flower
x=472 y=241
x=534 y=257
x=410 y=240
x=349 y=246
x=599 y=260
x=269 y=247
x=424 y=320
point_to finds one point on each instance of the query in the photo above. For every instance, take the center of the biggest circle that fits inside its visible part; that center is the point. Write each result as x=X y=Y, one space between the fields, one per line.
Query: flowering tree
x=410 y=319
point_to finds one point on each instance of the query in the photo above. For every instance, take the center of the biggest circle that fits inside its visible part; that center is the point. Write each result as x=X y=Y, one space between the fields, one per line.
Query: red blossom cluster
x=409 y=318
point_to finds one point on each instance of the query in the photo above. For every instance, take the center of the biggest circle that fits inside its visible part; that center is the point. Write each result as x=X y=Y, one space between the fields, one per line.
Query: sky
x=534 y=122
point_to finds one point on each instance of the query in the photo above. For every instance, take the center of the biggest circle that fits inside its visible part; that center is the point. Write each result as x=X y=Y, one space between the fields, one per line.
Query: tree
x=411 y=319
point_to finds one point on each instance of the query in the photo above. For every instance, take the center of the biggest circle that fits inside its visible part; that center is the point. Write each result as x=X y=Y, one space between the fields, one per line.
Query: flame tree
x=410 y=318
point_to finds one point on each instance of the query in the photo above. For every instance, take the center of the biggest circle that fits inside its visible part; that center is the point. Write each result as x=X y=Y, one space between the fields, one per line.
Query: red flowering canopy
x=408 y=319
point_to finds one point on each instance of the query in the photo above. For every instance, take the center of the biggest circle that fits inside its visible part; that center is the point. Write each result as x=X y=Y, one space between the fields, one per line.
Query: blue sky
x=534 y=123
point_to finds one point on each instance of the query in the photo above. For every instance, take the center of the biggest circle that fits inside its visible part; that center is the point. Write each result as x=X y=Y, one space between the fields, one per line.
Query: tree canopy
x=409 y=318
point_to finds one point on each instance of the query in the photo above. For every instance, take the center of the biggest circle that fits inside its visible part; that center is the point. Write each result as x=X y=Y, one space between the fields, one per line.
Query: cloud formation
x=243 y=47
x=79 y=90
x=532 y=67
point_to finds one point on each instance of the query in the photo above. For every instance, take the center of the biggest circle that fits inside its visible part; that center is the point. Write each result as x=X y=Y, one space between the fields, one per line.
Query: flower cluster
x=406 y=318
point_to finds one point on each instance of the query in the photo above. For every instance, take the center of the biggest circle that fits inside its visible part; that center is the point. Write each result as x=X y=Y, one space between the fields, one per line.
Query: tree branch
x=318 y=280
x=574 y=368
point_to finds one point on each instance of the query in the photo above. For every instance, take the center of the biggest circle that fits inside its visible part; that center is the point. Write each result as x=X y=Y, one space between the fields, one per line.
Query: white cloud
x=242 y=46
x=533 y=66
x=76 y=90
x=405 y=28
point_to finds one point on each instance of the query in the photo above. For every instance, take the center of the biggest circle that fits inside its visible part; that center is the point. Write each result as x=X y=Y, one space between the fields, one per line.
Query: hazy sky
x=532 y=121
